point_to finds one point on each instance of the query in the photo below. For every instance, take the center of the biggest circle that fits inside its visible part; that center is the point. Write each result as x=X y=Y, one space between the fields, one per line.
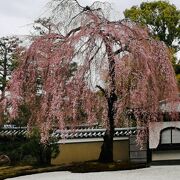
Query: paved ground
x=152 y=173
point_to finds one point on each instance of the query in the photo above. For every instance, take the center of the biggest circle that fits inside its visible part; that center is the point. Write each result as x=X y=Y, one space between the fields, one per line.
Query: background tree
x=161 y=17
x=163 y=20
x=9 y=55
x=44 y=26
x=8 y=59
x=119 y=59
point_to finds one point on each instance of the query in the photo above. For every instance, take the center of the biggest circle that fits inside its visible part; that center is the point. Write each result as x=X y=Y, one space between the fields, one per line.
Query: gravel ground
x=152 y=173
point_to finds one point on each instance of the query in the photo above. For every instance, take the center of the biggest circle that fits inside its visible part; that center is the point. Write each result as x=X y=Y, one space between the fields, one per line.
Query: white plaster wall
x=170 y=107
x=155 y=129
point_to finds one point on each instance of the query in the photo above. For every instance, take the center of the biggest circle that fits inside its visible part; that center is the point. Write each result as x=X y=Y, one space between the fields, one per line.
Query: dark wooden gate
x=136 y=153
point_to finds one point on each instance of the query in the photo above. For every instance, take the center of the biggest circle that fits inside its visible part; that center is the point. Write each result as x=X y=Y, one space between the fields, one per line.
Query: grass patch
x=99 y=167
x=84 y=167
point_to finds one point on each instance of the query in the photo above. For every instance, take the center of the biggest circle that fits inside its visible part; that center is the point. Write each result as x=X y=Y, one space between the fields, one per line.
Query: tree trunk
x=106 y=154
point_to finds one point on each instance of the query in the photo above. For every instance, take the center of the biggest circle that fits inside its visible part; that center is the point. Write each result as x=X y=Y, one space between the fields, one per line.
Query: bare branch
x=73 y=31
x=96 y=51
x=102 y=90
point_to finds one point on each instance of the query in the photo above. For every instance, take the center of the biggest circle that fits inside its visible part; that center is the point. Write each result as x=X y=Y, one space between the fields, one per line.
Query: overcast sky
x=17 y=16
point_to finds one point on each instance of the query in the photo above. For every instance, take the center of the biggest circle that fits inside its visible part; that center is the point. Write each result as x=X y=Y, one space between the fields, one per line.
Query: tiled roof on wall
x=93 y=133
x=15 y=131
x=71 y=134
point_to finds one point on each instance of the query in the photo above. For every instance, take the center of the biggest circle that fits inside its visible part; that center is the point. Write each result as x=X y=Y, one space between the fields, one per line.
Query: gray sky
x=17 y=16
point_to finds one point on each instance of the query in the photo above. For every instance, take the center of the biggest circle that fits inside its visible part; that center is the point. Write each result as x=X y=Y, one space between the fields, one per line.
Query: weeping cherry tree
x=132 y=71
